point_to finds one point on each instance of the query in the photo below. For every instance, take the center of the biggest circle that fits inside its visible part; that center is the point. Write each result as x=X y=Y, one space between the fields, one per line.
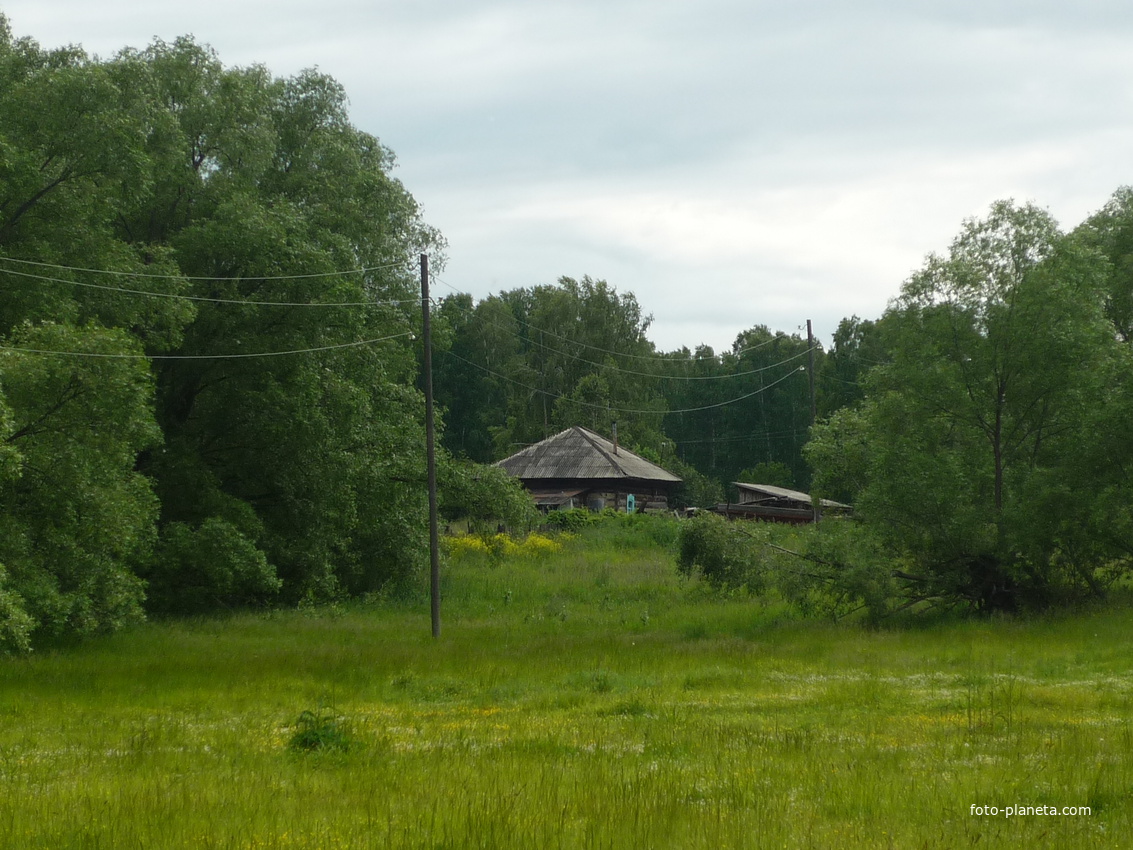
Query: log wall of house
x=647 y=496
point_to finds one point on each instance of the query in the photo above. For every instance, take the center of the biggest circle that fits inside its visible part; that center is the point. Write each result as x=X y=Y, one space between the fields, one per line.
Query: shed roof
x=772 y=492
x=579 y=453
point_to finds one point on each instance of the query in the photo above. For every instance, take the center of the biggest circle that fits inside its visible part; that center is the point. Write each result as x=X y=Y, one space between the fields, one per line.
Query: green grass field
x=585 y=698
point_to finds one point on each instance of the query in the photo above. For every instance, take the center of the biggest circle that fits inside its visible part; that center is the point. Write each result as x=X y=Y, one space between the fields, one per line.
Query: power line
x=760 y=391
x=619 y=369
x=829 y=377
x=358 y=344
x=250 y=303
x=624 y=409
x=361 y=270
x=766 y=435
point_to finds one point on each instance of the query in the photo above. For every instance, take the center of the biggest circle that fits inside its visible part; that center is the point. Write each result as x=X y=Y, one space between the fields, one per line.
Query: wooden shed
x=577 y=468
x=777 y=504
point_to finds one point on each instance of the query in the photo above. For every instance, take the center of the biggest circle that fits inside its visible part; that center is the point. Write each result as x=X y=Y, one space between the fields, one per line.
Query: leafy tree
x=840 y=453
x=696 y=489
x=483 y=495
x=472 y=377
x=161 y=204
x=1110 y=230
x=528 y=362
x=996 y=351
x=775 y=474
x=857 y=348
x=1095 y=535
x=263 y=190
x=16 y=624
x=582 y=343
x=213 y=566
x=742 y=408
x=76 y=519
x=723 y=552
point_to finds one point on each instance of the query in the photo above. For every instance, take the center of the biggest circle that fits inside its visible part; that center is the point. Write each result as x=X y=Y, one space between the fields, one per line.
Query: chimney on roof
x=615 y=437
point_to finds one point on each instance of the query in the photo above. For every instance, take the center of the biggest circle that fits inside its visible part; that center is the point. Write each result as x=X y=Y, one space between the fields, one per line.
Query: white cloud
x=733 y=162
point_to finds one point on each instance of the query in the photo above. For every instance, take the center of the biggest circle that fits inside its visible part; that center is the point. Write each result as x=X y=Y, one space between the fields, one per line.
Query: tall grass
x=585 y=697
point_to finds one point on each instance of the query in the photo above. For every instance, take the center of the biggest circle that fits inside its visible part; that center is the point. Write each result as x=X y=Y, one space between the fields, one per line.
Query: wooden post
x=431 y=454
x=810 y=352
x=813 y=405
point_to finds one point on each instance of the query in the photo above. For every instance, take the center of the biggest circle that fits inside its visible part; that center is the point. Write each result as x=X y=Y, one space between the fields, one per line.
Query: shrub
x=834 y=568
x=838 y=567
x=540 y=547
x=500 y=547
x=214 y=565
x=720 y=550
x=483 y=495
x=15 y=623
x=574 y=519
x=463 y=546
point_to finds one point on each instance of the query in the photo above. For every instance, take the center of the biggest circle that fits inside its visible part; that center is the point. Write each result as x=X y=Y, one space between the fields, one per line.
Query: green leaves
x=742 y=408
x=196 y=570
x=147 y=202
x=995 y=355
x=77 y=519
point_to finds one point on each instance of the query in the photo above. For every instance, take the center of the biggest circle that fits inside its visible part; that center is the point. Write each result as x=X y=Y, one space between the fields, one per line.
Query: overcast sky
x=731 y=162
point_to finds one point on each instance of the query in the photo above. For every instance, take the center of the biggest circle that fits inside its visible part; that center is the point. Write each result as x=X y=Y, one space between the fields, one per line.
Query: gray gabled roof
x=783 y=493
x=580 y=453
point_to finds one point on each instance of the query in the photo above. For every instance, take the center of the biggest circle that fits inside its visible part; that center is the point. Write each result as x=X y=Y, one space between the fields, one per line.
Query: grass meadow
x=582 y=698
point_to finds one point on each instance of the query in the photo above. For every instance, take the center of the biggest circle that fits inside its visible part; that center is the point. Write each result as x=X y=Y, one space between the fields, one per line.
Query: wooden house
x=577 y=468
x=778 y=504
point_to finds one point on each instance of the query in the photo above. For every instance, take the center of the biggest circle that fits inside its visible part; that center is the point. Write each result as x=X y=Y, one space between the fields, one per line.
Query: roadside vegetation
x=585 y=692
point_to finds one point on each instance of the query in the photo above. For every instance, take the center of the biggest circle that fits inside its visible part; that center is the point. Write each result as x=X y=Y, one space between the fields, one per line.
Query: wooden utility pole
x=431 y=453
x=813 y=405
x=810 y=352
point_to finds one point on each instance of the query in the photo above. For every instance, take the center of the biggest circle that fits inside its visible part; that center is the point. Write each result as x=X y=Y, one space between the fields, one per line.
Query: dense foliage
x=166 y=224
x=988 y=448
x=525 y=364
x=209 y=379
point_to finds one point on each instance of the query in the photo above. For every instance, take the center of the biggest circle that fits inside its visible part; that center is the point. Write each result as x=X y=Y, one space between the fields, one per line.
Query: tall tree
x=1110 y=230
x=995 y=352
x=238 y=230
x=746 y=407
x=481 y=369
x=264 y=193
x=857 y=348
x=76 y=519
x=573 y=353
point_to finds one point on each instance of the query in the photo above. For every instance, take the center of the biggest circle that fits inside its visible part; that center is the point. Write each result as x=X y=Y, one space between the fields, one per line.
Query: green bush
x=483 y=495
x=574 y=519
x=214 y=565
x=835 y=568
x=722 y=551
x=15 y=623
x=76 y=517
